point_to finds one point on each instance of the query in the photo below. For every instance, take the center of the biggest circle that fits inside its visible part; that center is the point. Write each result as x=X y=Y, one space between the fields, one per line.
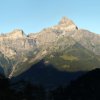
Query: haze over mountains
x=64 y=46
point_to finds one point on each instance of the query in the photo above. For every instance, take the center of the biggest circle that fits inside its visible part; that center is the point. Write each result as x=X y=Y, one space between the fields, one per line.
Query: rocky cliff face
x=15 y=46
x=21 y=51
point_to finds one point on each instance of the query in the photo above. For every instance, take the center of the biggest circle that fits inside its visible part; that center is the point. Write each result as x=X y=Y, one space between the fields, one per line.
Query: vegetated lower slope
x=72 y=58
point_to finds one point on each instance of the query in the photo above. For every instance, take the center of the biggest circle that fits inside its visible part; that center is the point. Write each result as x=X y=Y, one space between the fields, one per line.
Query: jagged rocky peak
x=17 y=33
x=66 y=25
x=66 y=22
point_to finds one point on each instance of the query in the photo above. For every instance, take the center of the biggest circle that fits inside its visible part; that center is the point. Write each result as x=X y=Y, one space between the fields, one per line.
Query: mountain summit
x=66 y=21
x=66 y=25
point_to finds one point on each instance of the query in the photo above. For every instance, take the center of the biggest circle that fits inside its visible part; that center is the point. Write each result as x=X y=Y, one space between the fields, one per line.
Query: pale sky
x=34 y=15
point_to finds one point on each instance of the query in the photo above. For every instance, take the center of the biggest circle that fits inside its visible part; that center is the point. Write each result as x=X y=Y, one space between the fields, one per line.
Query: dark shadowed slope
x=86 y=87
x=47 y=75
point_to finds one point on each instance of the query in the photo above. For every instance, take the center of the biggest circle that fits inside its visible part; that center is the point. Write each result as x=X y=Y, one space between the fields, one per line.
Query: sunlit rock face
x=66 y=25
x=19 y=51
x=51 y=34
x=16 y=34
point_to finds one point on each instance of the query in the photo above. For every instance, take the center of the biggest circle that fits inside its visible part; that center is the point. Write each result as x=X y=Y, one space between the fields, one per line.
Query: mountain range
x=43 y=56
